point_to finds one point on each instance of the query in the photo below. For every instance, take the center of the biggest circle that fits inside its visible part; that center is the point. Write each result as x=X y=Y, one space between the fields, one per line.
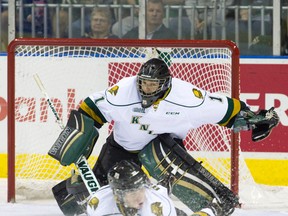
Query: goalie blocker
x=192 y=183
x=77 y=139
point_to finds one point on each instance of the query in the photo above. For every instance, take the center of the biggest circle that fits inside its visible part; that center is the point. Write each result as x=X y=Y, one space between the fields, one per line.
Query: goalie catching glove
x=261 y=123
x=77 y=139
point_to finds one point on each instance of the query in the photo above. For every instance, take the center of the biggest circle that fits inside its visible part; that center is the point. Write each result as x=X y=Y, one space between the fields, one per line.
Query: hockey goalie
x=146 y=133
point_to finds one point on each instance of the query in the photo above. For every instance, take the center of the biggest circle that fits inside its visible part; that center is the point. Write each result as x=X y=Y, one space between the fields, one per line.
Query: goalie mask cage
x=71 y=69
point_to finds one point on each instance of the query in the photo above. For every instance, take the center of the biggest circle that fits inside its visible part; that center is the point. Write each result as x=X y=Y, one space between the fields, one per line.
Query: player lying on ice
x=130 y=192
x=144 y=133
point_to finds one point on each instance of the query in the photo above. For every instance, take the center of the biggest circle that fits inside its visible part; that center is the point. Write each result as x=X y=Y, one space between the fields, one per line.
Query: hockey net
x=72 y=69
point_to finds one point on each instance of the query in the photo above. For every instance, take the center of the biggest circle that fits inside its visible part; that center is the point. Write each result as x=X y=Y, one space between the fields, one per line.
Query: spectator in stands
x=100 y=24
x=256 y=14
x=177 y=21
x=261 y=45
x=4 y=27
x=27 y=21
x=202 y=23
x=155 y=29
x=172 y=11
x=252 y=38
x=284 y=28
x=77 y=30
x=59 y=20
x=128 y=20
x=76 y=25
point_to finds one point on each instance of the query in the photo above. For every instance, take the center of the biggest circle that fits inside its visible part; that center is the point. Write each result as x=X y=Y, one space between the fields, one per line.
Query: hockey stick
x=82 y=165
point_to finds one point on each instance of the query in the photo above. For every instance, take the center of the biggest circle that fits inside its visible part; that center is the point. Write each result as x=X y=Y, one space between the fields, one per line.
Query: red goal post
x=74 y=68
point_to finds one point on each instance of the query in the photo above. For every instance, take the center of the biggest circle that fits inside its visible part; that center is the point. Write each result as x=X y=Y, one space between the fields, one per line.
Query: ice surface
x=50 y=208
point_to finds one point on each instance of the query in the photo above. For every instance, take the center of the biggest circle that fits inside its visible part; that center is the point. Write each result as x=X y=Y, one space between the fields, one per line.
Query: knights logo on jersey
x=197 y=93
x=156 y=209
x=93 y=203
x=113 y=90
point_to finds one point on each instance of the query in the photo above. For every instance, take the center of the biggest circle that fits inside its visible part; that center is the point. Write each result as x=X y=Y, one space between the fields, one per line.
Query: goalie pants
x=110 y=154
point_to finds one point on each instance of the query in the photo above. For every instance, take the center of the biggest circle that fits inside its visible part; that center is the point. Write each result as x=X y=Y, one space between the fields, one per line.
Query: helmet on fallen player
x=126 y=176
x=154 y=70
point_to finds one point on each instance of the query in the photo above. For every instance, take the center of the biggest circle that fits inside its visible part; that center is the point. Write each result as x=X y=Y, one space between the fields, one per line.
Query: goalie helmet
x=154 y=71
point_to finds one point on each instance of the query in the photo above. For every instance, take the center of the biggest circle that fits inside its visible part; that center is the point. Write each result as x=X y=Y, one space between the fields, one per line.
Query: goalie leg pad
x=194 y=186
x=189 y=192
x=77 y=138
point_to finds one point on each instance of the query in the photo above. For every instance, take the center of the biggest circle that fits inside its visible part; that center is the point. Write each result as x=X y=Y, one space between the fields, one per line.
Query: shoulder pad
x=123 y=93
x=185 y=94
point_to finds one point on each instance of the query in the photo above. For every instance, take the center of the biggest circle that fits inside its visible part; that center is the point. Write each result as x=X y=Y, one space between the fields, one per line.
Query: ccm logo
x=172 y=113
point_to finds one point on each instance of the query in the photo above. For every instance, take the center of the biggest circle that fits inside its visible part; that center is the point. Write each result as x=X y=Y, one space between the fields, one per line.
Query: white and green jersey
x=183 y=107
x=157 y=203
